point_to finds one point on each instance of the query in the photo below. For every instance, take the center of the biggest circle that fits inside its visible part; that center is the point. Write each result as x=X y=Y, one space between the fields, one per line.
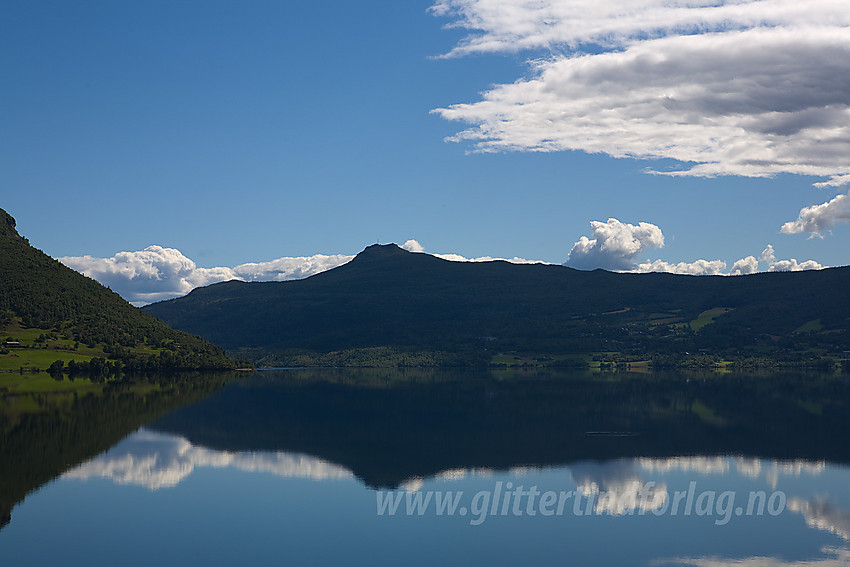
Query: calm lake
x=392 y=467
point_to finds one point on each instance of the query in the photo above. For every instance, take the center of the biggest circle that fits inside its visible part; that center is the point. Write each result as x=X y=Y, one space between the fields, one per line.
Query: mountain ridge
x=387 y=297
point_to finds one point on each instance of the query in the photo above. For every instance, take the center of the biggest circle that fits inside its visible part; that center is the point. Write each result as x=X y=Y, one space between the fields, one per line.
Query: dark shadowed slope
x=387 y=297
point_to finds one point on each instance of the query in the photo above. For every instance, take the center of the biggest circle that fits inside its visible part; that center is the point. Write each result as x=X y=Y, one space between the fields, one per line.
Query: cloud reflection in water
x=156 y=460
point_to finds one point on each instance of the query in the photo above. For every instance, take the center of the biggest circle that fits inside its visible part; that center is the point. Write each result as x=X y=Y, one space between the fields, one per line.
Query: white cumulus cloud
x=147 y=275
x=818 y=218
x=793 y=266
x=768 y=256
x=614 y=245
x=735 y=87
x=157 y=273
x=413 y=246
x=744 y=266
x=696 y=268
x=290 y=268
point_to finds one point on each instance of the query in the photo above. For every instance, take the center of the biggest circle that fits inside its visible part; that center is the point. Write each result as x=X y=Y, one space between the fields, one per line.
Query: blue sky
x=239 y=133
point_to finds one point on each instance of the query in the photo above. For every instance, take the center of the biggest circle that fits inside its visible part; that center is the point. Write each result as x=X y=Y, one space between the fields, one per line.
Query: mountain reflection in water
x=311 y=450
x=388 y=426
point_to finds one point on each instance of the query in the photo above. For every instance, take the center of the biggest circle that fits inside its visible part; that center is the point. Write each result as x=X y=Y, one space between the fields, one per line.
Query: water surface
x=387 y=467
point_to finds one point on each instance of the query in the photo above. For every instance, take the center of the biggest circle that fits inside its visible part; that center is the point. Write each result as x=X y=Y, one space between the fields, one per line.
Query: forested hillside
x=49 y=312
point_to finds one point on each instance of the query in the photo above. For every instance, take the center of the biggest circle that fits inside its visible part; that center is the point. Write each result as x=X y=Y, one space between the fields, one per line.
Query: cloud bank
x=745 y=87
x=616 y=245
x=157 y=273
x=768 y=256
x=415 y=246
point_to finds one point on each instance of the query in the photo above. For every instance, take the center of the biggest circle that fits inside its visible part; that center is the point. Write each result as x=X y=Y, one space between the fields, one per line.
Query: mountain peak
x=382 y=251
